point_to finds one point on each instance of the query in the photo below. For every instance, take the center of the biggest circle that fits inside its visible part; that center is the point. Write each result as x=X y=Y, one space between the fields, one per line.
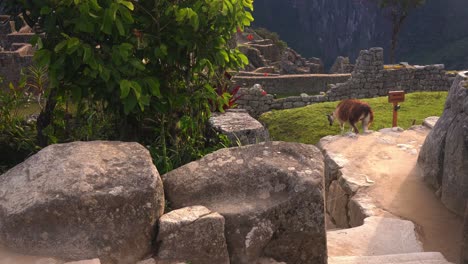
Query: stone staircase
x=383 y=211
x=380 y=240
x=410 y=258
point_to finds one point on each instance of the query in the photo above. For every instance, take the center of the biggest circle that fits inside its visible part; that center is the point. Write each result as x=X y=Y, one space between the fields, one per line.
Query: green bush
x=17 y=137
x=146 y=70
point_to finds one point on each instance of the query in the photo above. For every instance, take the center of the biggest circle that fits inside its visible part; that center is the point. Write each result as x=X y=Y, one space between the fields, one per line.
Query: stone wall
x=15 y=53
x=290 y=84
x=370 y=78
x=256 y=101
x=11 y=63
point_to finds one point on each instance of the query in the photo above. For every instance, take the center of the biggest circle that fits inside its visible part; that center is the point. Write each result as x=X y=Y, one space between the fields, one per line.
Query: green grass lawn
x=28 y=109
x=309 y=124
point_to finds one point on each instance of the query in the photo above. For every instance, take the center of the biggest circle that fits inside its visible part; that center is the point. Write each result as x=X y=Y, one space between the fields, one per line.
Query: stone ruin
x=341 y=65
x=15 y=51
x=267 y=57
x=258 y=203
x=370 y=78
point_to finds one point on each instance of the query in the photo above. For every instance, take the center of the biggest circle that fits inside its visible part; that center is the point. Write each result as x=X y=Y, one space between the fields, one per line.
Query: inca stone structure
x=15 y=52
x=444 y=155
x=370 y=78
x=270 y=194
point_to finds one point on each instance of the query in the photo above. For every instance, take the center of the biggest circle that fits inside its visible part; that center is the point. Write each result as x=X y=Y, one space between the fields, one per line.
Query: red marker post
x=396 y=97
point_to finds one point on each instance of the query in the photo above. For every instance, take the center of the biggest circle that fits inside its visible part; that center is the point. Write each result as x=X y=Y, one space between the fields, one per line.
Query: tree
x=157 y=59
x=398 y=12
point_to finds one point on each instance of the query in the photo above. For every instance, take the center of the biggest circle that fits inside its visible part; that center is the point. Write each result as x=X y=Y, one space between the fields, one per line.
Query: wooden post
x=396 y=97
x=395 y=114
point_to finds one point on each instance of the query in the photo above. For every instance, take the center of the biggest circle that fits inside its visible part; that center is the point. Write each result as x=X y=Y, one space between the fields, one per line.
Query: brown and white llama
x=352 y=111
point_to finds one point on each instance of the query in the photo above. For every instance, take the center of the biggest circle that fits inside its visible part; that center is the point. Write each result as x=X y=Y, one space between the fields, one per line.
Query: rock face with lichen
x=82 y=200
x=444 y=155
x=270 y=194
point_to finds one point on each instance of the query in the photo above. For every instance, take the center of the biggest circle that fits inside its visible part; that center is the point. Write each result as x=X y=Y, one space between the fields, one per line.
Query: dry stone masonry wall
x=370 y=78
x=292 y=84
x=15 y=53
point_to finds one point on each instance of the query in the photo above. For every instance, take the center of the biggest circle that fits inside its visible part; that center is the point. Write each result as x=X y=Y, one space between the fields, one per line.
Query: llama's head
x=330 y=118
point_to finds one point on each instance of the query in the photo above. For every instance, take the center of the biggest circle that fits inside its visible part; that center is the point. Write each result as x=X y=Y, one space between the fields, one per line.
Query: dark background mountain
x=434 y=33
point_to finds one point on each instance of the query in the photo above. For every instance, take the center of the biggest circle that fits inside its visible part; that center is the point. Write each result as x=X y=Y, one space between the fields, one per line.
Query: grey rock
x=444 y=156
x=239 y=127
x=193 y=234
x=82 y=200
x=270 y=194
x=377 y=236
x=337 y=205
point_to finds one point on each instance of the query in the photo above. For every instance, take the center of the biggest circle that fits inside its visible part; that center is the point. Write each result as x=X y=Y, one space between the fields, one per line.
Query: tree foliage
x=398 y=12
x=156 y=59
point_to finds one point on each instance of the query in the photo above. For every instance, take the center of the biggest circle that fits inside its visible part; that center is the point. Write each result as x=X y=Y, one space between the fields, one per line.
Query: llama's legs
x=342 y=127
x=355 y=129
x=365 y=124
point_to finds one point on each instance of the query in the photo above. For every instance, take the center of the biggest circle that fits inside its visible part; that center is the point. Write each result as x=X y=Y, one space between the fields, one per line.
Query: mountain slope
x=328 y=28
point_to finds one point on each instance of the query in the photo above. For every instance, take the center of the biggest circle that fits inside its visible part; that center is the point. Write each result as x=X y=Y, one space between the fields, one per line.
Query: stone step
x=410 y=258
x=377 y=236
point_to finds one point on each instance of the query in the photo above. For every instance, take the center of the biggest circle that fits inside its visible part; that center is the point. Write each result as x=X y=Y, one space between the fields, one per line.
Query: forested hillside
x=435 y=33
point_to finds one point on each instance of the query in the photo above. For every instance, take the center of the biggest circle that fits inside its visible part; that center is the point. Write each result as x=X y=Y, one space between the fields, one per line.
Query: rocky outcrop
x=240 y=128
x=331 y=28
x=270 y=194
x=82 y=200
x=444 y=155
x=325 y=29
x=192 y=234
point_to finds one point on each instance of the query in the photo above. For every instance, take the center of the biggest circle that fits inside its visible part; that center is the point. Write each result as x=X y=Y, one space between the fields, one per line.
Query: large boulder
x=192 y=234
x=82 y=200
x=444 y=156
x=270 y=194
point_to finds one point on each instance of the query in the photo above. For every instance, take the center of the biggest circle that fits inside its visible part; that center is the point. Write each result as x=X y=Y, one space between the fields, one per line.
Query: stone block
x=192 y=234
x=82 y=200
x=272 y=208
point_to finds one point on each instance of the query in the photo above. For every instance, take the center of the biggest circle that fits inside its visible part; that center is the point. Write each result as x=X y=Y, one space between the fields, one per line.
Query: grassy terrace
x=309 y=124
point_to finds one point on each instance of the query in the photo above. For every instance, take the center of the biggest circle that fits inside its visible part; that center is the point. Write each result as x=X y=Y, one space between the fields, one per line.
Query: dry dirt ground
x=389 y=161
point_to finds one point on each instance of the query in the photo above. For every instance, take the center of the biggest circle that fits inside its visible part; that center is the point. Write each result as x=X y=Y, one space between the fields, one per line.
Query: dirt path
x=390 y=162
x=406 y=195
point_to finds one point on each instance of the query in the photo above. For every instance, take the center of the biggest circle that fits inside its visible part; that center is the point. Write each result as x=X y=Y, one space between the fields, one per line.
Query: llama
x=352 y=111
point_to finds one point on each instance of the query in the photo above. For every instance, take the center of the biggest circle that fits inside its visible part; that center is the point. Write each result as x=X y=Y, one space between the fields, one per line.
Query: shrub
x=17 y=137
x=152 y=67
